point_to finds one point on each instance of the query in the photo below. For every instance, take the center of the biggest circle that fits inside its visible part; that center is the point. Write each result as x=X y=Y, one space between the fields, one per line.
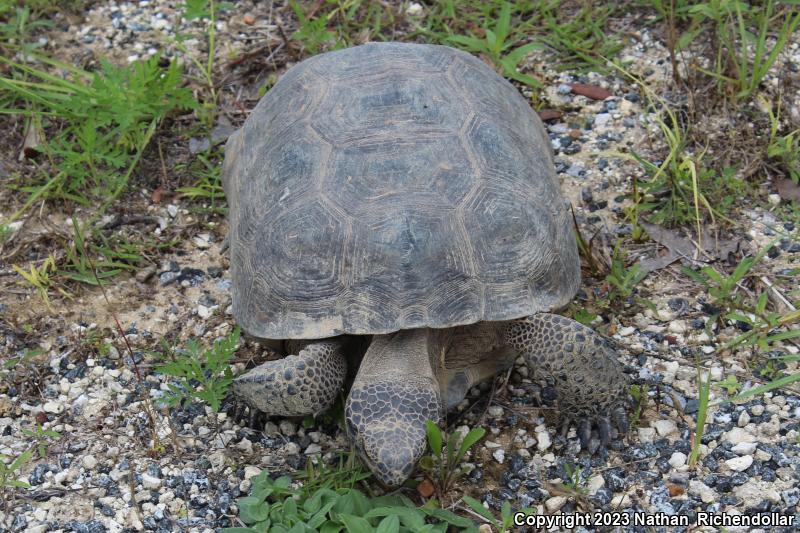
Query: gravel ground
x=99 y=476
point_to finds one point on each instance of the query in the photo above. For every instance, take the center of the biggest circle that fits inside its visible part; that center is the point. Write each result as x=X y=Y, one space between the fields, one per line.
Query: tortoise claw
x=585 y=433
x=620 y=417
x=604 y=429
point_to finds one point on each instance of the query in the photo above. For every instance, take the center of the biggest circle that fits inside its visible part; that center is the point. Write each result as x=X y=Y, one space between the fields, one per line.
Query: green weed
x=783 y=150
x=16 y=25
x=575 y=481
x=622 y=280
x=704 y=391
x=41 y=438
x=41 y=278
x=506 y=513
x=730 y=384
x=204 y=375
x=741 y=37
x=274 y=505
x=312 y=33
x=446 y=455
x=209 y=185
x=346 y=474
x=582 y=42
x=99 y=123
x=208 y=11
x=499 y=46
x=9 y=472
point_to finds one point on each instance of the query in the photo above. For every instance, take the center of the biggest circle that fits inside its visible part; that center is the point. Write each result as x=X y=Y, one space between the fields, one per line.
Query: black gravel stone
x=19 y=523
x=739 y=478
x=92 y=526
x=602 y=497
x=773 y=252
x=615 y=479
x=791 y=497
x=37 y=475
x=214 y=271
x=713 y=432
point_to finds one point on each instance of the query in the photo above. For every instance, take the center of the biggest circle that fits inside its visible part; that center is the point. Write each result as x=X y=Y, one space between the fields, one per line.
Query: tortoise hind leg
x=591 y=388
x=297 y=385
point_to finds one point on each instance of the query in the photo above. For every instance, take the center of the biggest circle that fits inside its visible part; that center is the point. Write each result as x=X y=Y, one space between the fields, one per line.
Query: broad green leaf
x=252 y=510
x=478 y=507
x=434 y=437
x=470 y=439
x=355 y=524
x=390 y=524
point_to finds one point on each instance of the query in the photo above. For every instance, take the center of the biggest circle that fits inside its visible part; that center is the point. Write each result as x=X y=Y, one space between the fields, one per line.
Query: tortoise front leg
x=590 y=385
x=297 y=385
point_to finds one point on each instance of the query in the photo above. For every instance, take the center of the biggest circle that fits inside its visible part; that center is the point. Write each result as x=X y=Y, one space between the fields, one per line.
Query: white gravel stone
x=754 y=492
x=740 y=464
x=555 y=503
x=706 y=493
x=150 y=482
x=495 y=411
x=678 y=459
x=313 y=448
x=757 y=410
x=677 y=326
x=499 y=455
x=744 y=419
x=665 y=427
x=89 y=462
x=626 y=331
x=762 y=456
x=595 y=483
x=744 y=448
x=647 y=434
x=251 y=472
x=737 y=435
x=543 y=441
x=53 y=407
x=287 y=428
x=771 y=428
x=292 y=448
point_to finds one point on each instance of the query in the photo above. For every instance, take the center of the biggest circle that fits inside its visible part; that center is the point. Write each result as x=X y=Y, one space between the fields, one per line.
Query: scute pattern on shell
x=392 y=186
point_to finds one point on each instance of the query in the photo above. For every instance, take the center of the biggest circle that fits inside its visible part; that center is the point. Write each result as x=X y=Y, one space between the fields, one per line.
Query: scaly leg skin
x=591 y=387
x=296 y=385
x=393 y=395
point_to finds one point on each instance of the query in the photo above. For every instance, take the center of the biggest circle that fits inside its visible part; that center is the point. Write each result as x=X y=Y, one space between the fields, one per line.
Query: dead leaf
x=425 y=488
x=788 y=190
x=33 y=139
x=675 y=490
x=157 y=195
x=590 y=91
x=549 y=114
x=684 y=247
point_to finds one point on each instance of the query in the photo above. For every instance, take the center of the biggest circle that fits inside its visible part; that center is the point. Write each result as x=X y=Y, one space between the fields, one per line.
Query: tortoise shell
x=392 y=186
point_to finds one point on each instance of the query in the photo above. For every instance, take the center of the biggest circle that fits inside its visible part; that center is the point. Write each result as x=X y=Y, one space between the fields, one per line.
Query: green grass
x=739 y=35
x=500 y=46
x=94 y=125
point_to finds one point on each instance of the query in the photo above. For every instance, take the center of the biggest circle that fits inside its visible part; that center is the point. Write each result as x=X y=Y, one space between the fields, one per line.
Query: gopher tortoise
x=397 y=204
